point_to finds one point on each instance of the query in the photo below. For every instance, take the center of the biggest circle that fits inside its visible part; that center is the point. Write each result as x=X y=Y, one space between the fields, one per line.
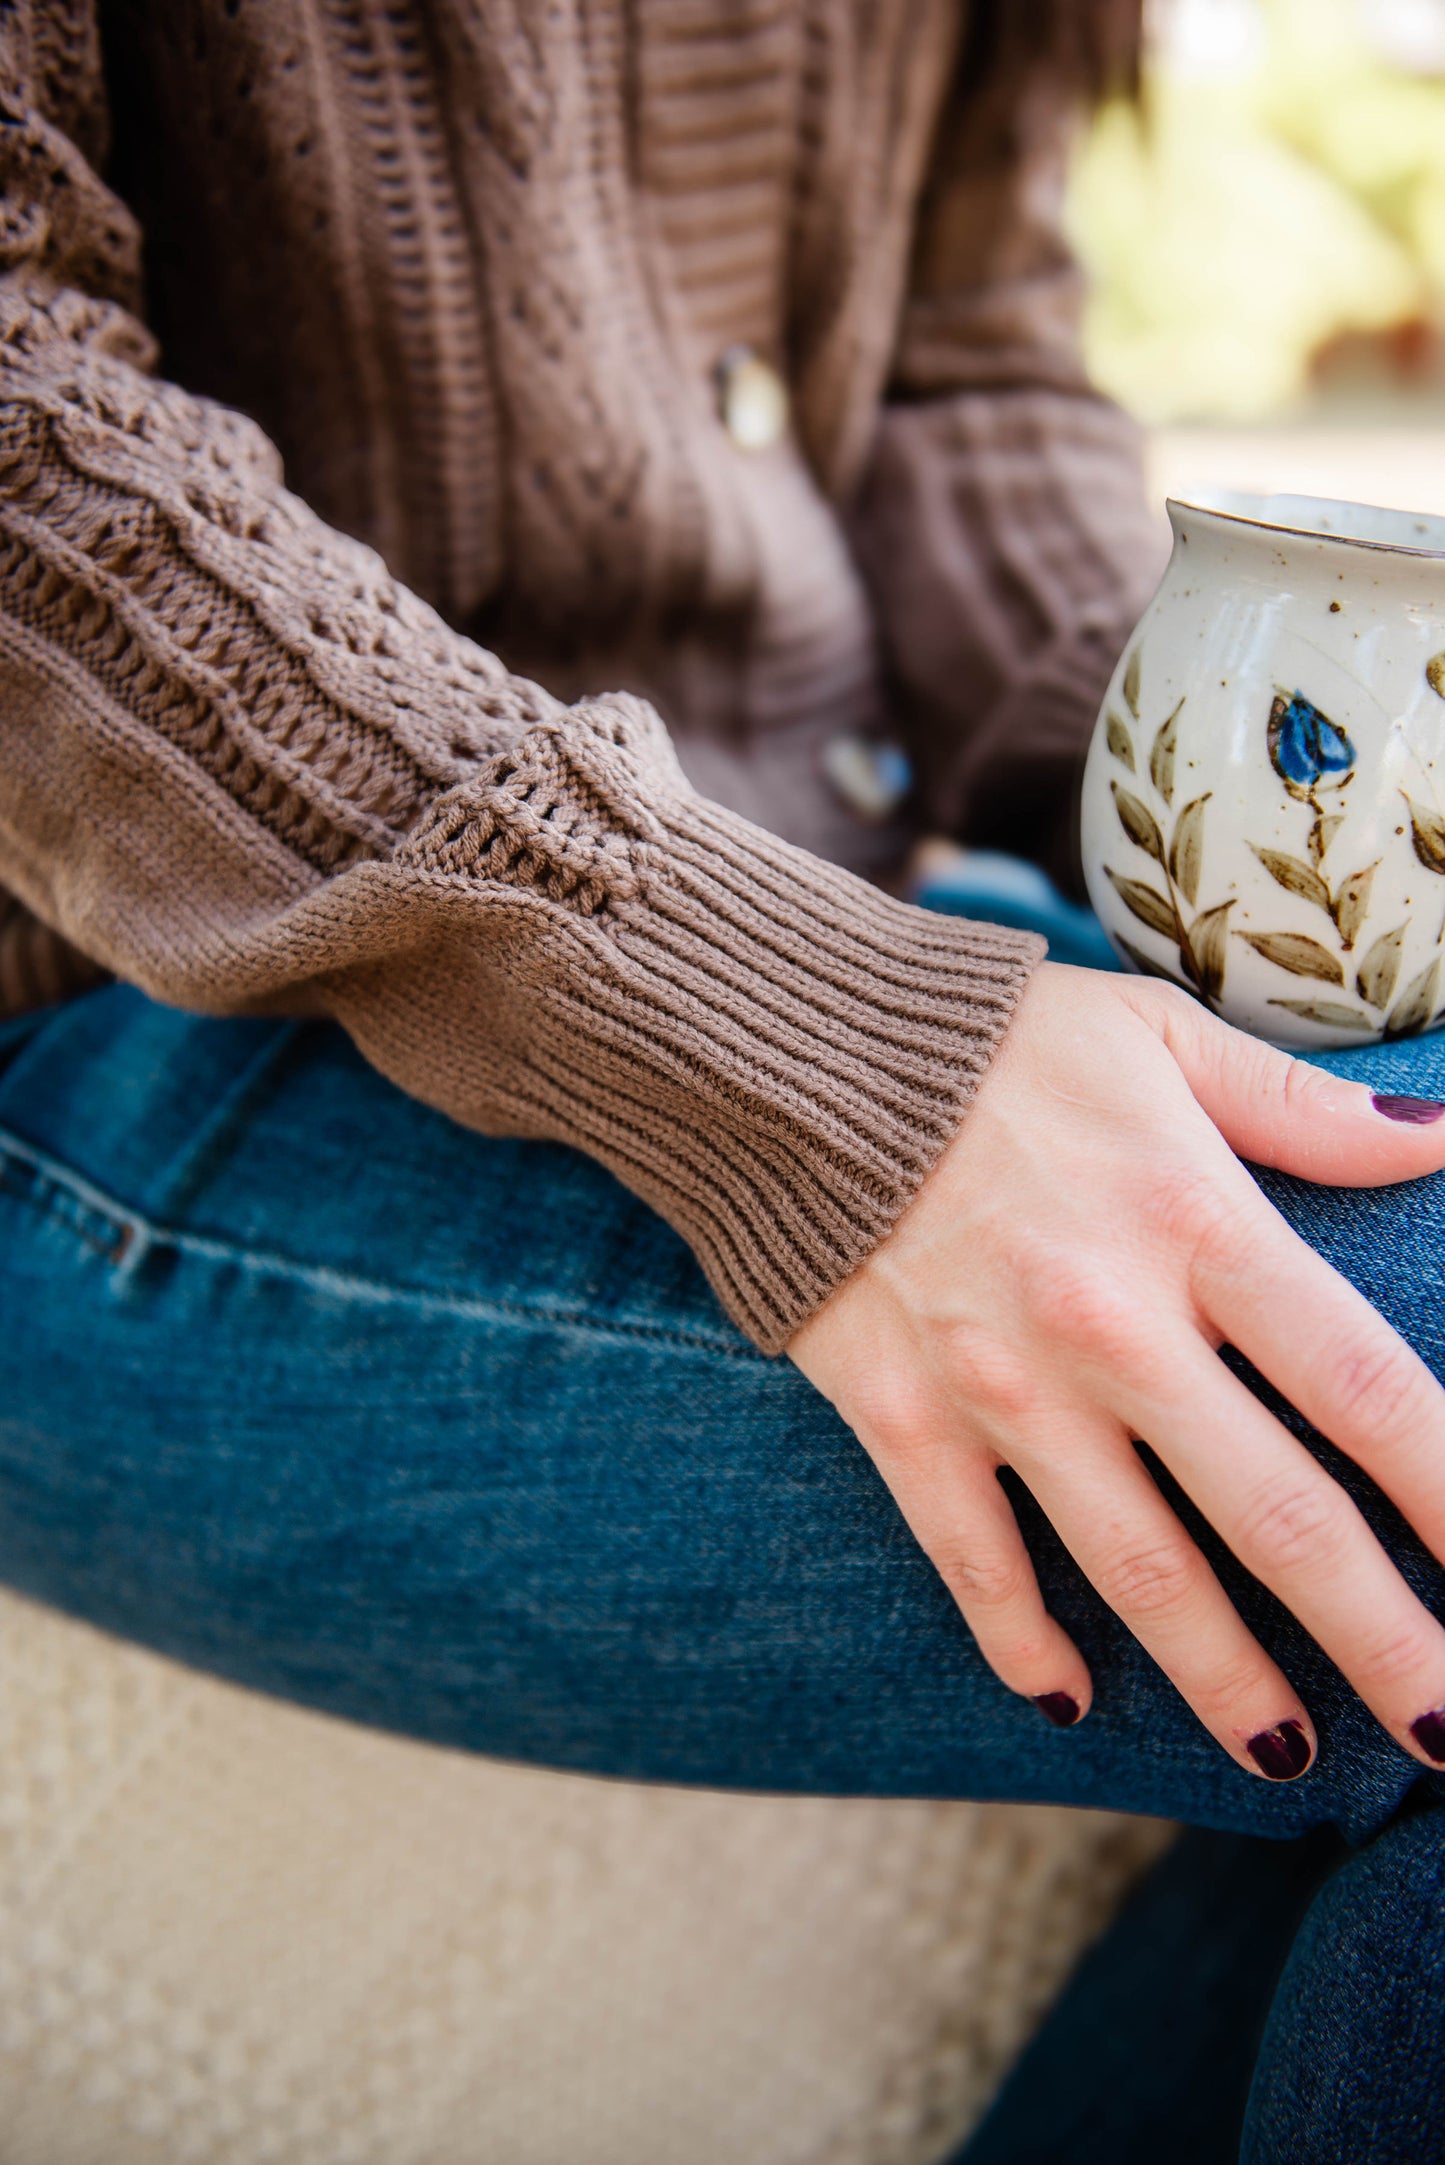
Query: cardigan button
x=752 y=399
x=870 y=775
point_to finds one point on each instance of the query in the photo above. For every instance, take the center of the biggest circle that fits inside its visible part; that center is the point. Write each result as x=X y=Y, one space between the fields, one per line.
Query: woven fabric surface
x=232 y=1932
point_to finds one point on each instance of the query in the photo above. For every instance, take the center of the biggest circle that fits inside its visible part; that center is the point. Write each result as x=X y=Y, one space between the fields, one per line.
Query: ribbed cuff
x=772 y=1053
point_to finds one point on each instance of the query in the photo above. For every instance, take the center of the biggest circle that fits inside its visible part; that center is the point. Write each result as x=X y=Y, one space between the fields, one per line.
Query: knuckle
x=1174 y=1001
x=1084 y=1311
x=1190 y=1209
x=1260 y=1072
x=1380 y=1388
x=1176 y=1014
x=993 y=1379
x=1170 y=1202
x=983 y=1578
x=1298 y=1086
x=1294 y=1522
x=894 y=1413
x=1153 y=1581
x=1398 y=1656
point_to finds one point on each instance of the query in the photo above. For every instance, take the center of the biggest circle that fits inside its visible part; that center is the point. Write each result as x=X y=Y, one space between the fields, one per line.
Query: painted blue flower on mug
x=1307 y=749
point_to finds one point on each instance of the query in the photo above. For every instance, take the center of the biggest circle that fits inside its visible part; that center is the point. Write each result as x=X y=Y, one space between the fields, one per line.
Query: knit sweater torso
x=474 y=271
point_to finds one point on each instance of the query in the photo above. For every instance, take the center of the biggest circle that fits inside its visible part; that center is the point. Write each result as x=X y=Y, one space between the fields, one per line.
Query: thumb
x=1282 y=1112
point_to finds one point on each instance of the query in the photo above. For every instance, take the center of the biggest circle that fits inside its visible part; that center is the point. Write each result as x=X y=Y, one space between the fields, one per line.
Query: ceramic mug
x=1264 y=800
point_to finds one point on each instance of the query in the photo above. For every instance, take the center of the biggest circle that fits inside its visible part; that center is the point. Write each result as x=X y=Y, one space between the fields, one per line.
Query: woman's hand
x=1061 y=1285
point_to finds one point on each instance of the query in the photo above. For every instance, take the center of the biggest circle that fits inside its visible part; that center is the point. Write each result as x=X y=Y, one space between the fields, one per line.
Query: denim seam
x=134 y=1233
x=48 y=1197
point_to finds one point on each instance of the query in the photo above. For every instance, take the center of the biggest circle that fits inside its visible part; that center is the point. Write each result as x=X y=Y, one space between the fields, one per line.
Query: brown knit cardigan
x=472 y=265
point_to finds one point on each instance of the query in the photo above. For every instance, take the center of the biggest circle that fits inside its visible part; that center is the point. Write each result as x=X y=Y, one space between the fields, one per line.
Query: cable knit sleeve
x=245 y=770
x=1002 y=521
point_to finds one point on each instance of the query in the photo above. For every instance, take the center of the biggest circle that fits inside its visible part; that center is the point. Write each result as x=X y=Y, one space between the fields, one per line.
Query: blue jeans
x=303 y=1384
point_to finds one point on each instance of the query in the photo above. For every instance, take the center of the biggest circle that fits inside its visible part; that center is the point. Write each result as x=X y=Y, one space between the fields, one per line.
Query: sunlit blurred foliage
x=1279 y=189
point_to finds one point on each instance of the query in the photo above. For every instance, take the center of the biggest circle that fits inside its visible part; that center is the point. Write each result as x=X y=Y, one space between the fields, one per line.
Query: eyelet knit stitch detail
x=763 y=1048
x=248 y=770
x=55 y=206
x=292 y=692
x=103 y=579
x=541 y=816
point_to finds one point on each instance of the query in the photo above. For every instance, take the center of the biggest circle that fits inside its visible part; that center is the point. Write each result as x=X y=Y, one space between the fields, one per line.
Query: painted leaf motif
x=1352 y=903
x=1207 y=937
x=1329 y=1012
x=1375 y=980
x=1323 y=833
x=1297 y=877
x=1435 y=673
x=1302 y=957
x=1186 y=851
x=1413 y=1009
x=1428 y=830
x=1161 y=759
x=1147 y=965
x=1138 y=822
x=1131 y=682
x=1119 y=741
x=1146 y=903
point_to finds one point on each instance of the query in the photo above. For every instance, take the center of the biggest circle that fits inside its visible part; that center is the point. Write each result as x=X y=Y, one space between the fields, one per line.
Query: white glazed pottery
x=1264 y=801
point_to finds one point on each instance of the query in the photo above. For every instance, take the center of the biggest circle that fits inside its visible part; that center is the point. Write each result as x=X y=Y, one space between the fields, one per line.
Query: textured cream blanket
x=232 y=1932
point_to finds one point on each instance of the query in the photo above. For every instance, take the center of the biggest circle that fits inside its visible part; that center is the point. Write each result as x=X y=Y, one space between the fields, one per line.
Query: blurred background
x=1265 y=236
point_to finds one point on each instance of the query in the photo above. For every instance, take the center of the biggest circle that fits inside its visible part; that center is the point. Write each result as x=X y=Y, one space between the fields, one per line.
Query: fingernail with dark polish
x=1285 y=1752
x=1415 y=1112
x=1063 y=1712
x=1429 y=1734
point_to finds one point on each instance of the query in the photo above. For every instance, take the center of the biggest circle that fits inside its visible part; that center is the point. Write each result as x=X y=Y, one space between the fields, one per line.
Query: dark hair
x=1091 y=45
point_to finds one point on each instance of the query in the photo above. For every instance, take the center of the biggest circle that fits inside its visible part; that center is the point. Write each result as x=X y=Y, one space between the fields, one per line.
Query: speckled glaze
x=1264 y=801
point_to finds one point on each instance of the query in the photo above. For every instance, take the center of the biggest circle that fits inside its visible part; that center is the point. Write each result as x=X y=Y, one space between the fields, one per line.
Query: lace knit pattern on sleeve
x=147 y=533
x=248 y=770
x=520 y=910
